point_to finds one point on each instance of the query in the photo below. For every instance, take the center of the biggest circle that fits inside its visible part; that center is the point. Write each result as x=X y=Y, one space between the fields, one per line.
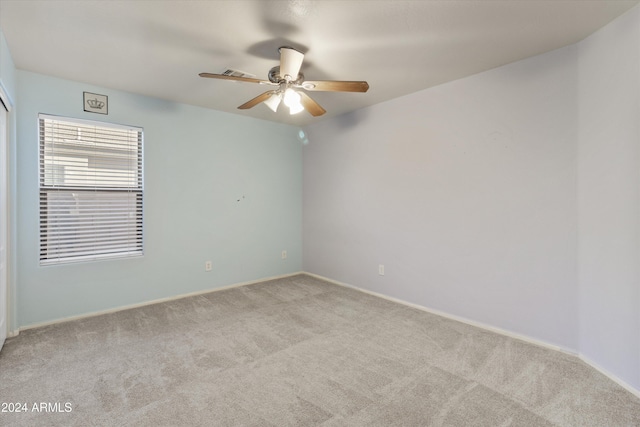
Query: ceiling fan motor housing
x=275 y=77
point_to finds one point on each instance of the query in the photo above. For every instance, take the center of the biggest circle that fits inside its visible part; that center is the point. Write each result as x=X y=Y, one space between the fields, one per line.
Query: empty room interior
x=331 y=213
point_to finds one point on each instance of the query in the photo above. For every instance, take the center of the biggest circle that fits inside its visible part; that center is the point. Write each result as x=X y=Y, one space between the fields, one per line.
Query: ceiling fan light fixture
x=295 y=109
x=286 y=77
x=292 y=100
x=274 y=101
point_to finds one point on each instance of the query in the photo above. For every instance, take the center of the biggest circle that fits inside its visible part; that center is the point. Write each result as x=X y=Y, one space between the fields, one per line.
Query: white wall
x=466 y=192
x=8 y=82
x=609 y=197
x=7 y=68
x=509 y=198
x=198 y=163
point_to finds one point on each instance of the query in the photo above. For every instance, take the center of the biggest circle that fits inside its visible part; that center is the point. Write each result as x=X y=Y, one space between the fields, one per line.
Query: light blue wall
x=198 y=164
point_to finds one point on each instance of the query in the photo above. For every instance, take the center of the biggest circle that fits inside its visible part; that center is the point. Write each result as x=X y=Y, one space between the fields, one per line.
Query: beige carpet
x=296 y=352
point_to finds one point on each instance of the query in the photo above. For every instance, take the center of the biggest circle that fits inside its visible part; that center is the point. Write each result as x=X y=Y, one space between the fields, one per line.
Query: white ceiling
x=157 y=48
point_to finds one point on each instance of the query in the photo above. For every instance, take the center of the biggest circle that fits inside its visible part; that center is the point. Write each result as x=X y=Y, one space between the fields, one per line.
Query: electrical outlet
x=284 y=254
x=208 y=266
x=381 y=270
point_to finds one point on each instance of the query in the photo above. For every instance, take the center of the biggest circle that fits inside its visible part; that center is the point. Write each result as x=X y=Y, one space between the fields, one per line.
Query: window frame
x=138 y=210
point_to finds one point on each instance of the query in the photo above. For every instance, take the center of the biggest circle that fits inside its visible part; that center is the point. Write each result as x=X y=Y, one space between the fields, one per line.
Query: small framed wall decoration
x=95 y=103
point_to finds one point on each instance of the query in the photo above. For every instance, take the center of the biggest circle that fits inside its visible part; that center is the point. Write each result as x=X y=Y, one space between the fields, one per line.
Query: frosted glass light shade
x=274 y=101
x=292 y=100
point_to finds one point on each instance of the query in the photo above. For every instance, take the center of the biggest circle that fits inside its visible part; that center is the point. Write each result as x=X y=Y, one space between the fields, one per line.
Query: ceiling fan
x=287 y=79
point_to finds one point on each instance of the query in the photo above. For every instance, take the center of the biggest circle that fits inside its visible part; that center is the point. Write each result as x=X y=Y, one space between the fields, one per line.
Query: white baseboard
x=480 y=325
x=609 y=375
x=151 y=302
x=453 y=317
x=500 y=331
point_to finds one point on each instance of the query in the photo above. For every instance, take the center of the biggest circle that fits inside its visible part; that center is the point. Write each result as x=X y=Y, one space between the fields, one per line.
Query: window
x=90 y=190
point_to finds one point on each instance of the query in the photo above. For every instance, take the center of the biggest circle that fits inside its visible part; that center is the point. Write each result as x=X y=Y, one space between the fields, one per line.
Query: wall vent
x=237 y=73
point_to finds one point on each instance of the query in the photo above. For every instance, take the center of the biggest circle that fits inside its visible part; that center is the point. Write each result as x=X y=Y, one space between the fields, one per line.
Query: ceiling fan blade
x=290 y=62
x=335 y=86
x=310 y=105
x=257 y=100
x=238 y=79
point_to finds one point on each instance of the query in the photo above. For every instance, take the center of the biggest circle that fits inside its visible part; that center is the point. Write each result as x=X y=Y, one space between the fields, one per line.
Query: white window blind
x=90 y=190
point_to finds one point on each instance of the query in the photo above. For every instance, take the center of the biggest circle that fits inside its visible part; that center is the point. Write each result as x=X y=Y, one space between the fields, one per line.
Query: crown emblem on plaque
x=94 y=103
